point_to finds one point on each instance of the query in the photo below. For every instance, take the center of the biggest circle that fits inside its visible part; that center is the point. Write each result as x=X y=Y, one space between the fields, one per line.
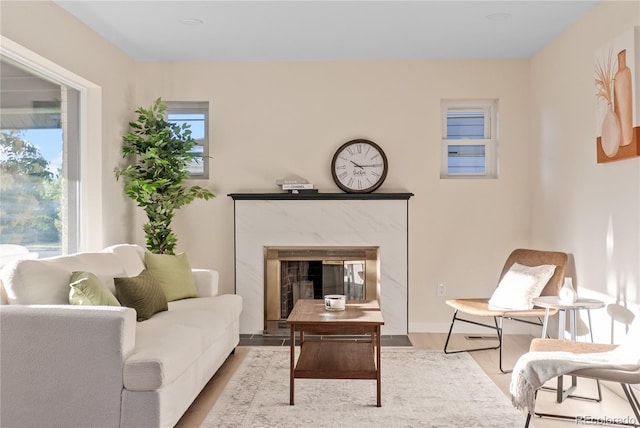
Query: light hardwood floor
x=611 y=406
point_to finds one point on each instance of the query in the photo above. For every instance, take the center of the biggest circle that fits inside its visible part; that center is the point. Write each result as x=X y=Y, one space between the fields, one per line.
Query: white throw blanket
x=533 y=369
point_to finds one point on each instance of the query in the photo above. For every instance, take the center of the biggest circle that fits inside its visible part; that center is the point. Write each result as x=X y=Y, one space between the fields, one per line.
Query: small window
x=196 y=115
x=469 y=141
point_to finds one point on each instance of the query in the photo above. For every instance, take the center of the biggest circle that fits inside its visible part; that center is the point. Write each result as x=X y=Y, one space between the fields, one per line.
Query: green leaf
x=159 y=154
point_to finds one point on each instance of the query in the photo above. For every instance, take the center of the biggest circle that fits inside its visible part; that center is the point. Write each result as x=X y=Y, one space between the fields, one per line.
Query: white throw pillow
x=36 y=282
x=520 y=285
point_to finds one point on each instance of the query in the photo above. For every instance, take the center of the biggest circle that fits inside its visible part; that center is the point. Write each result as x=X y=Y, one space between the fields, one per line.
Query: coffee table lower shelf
x=328 y=359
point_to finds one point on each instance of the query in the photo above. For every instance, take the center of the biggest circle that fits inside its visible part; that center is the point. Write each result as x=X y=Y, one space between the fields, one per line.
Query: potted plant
x=155 y=179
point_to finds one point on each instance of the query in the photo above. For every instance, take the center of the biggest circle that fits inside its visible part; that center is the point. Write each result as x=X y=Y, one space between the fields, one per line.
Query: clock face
x=359 y=166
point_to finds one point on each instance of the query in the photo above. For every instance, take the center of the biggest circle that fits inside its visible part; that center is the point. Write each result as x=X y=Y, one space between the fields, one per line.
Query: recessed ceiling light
x=498 y=16
x=191 y=21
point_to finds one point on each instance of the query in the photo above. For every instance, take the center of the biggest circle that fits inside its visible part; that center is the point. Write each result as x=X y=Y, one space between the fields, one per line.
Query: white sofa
x=65 y=365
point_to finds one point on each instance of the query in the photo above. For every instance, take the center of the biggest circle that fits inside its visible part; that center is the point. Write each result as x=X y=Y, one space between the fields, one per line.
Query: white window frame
x=490 y=140
x=91 y=235
x=200 y=107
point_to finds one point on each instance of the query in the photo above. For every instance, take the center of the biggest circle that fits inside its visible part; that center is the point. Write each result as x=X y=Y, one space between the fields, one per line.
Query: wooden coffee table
x=331 y=358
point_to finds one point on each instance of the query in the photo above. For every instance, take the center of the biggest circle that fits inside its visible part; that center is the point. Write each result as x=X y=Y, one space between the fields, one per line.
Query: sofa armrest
x=54 y=355
x=206 y=282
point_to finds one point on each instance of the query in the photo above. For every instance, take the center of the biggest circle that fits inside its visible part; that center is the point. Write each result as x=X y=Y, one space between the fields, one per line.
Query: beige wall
x=579 y=205
x=49 y=31
x=270 y=119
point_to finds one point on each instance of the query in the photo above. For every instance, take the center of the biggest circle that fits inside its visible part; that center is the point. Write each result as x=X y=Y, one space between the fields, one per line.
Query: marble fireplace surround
x=322 y=219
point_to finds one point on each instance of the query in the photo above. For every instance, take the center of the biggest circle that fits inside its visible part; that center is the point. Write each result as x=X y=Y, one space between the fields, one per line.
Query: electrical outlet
x=442 y=289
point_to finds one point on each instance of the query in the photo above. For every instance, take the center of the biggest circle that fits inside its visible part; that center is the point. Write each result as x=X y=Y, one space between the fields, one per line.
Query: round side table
x=554 y=302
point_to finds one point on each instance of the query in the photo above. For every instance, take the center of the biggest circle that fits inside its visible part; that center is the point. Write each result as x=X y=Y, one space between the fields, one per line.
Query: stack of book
x=297 y=185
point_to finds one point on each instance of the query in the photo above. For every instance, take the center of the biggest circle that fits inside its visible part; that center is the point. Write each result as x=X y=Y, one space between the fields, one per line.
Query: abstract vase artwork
x=618 y=122
x=622 y=98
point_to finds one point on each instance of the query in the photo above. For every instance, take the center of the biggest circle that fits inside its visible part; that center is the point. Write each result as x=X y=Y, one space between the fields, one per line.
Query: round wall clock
x=359 y=166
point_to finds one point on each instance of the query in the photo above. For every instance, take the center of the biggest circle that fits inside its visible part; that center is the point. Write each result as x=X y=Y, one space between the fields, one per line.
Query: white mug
x=334 y=302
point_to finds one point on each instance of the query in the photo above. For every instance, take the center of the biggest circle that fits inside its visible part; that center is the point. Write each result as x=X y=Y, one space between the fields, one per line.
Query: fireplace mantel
x=282 y=196
x=322 y=219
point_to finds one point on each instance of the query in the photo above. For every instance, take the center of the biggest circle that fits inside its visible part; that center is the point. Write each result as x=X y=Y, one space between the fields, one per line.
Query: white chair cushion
x=520 y=285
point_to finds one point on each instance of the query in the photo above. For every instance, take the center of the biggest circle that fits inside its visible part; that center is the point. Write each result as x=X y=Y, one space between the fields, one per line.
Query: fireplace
x=311 y=272
x=376 y=220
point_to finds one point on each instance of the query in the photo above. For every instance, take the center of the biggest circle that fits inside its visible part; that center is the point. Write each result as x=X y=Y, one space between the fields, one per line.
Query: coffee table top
x=356 y=312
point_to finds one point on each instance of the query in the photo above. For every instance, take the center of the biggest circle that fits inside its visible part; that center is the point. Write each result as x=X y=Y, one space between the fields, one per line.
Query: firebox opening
x=314 y=279
x=293 y=273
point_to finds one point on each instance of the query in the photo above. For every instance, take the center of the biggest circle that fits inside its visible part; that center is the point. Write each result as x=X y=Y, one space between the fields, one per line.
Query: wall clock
x=359 y=166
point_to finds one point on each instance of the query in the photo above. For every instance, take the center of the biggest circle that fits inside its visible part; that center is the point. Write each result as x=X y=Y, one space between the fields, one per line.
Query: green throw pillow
x=174 y=274
x=142 y=293
x=88 y=290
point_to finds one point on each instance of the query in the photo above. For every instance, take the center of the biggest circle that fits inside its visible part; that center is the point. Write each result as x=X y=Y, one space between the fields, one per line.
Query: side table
x=554 y=302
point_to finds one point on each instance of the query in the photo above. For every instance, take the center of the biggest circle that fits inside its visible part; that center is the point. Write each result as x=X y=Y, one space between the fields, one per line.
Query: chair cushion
x=88 y=290
x=142 y=293
x=520 y=285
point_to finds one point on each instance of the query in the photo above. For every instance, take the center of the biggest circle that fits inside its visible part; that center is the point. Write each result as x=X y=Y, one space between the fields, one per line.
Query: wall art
x=617 y=116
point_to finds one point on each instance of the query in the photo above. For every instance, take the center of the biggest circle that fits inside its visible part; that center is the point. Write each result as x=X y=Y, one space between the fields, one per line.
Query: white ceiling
x=151 y=30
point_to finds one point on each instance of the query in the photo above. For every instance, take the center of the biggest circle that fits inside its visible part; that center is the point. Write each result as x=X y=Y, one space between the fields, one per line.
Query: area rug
x=419 y=389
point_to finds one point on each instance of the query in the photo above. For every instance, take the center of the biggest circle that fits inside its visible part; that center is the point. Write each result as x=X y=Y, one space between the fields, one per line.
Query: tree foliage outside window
x=30 y=194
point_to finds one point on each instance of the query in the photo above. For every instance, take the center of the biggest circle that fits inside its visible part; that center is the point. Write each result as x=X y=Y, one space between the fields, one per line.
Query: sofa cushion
x=225 y=307
x=194 y=324
x=105 y=266
x=174 y=274
x=131 y=257
x=88 y=290
x=36 y=282
x=142 y=293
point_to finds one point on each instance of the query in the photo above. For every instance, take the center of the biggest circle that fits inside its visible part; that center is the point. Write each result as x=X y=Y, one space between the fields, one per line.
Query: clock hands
x=363 y=166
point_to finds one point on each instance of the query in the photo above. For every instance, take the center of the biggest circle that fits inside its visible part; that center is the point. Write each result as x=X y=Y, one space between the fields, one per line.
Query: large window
x=196 y=115
x=469 y=140
x=39 y=161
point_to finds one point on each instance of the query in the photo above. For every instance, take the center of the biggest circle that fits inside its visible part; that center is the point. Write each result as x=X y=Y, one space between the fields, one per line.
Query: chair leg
x=529 y=414
x=633 y=400
x=455 y=318
x=501 y=345
x=497 y=327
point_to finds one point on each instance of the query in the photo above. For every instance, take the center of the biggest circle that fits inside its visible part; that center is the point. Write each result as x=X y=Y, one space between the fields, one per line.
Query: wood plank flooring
x=612 y=405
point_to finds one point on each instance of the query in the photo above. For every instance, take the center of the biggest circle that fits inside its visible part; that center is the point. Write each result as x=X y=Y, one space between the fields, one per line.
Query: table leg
x=292 y=364
x=562 y=394
x=545 y=323
x=378 y=378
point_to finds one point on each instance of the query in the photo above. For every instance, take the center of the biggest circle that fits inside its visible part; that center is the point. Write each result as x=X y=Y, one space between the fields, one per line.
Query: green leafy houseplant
x=155 y=179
